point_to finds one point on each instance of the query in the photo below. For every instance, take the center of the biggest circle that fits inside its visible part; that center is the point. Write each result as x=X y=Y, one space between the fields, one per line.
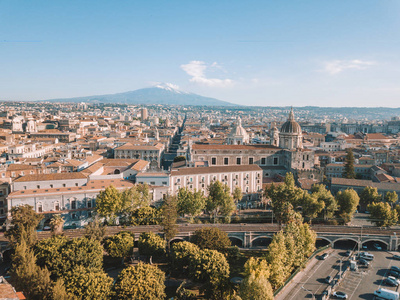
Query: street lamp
x=307 y=290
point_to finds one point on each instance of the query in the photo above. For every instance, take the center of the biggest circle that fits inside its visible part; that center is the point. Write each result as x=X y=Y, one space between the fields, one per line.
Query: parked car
x=340 y=295
x=395 y=268
x=324 y=256
x=396 y=257
x=392 y=281
x=377 y=246
x=394 y=273
x=363 y=262
x=365 y=247
x=328 y=279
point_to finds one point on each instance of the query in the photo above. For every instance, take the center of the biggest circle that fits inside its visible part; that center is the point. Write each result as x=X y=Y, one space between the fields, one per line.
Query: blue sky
x=269 y=53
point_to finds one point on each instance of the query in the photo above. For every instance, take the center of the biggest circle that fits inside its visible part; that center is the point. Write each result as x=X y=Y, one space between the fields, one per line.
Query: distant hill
x=159 y=94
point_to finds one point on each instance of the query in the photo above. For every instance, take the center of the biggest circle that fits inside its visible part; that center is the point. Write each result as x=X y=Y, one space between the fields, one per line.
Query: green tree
x=151 y=244
x=85 y=284
x=184 y=294
x=237 y=194
x=24 y=221
x=140 y=282
x=382 y=214
x=219 y=200
x=95 y=230
x=277 y=257
x=109 y=203
x=61 y=255
x=56 y=224
x=179 y=158
x=145 y=216
x=136 y=197
x=255 y=285
x=59 y=292
x=349 y=171
x=348 y=201
x=323 y=195
x=27 y=277
x=369 y=195
x=311 y=206
x=120 y=245
x=391 y=198
x=190 y=203
x=181 y=254
x=211 y=238
x=211 y=268
x=169 y=217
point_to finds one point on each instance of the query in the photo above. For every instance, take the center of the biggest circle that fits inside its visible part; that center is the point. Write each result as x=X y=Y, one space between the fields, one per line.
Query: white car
x=339 y=295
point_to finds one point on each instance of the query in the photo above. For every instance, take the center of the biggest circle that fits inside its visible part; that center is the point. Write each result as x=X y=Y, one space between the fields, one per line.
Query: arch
x=117 y=171
x=376 y=241
x=345 y=243
x=236 y=241
x=261 y=241
x=322 y=241
x=177 y=240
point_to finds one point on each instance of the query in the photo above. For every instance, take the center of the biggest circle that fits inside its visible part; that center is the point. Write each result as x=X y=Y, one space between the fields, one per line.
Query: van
x=385 y=294
x=366 y=256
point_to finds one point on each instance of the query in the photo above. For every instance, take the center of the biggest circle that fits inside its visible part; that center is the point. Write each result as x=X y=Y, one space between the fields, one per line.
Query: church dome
x=291 y=126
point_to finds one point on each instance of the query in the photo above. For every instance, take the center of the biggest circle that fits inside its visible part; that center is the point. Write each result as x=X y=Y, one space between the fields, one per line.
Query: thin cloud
x=196 y=69
x=338 y=66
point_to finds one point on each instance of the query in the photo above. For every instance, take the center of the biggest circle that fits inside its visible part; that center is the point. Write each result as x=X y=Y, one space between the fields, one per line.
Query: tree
x=141 y=282
x=181 y=255
x=56 y=224
x=61 y=255
x=211 y=238
x=179 y=158
x=255 y=285
x=120 y=245
x=190 y=203
x=219 y=200
x=86 y=284
x=382 y=214
x=323 y=195
x=109 y=202
x=349 y=171
x=151 y=244
x=391 y=197
x=137 y=196
x=145 y=216
x=59 y=292
x=95 y=230
x=237 y=194
x=27 y=277
x=169 y=217
x=184 y=294
x=348 y=201
x=311 y=206
x=24 y=222
x=211 y=268
x=369 y=195
x=276 y=257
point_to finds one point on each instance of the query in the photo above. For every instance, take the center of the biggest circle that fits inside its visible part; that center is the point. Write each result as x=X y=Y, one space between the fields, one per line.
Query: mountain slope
x=159 y=94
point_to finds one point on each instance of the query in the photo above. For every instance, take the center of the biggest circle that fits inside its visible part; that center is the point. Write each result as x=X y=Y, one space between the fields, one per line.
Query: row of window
x=239 y=161
x=56 y=205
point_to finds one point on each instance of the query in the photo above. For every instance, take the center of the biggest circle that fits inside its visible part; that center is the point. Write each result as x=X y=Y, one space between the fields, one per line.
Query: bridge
x=260 y=235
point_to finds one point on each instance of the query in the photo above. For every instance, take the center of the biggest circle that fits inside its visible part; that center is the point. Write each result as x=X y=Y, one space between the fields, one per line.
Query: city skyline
x=254 y=53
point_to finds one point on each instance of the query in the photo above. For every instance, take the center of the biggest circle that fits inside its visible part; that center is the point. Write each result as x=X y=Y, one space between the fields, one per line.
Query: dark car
x=392 y=281
x=328 y=279
x=363 y=262
x=396 y=257
x=395 y=268
x=394 y=273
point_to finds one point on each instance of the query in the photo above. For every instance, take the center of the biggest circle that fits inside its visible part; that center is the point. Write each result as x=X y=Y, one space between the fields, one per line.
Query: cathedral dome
x=291 y=126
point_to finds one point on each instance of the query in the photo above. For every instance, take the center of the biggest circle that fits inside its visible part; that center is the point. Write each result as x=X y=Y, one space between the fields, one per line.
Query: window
x=213 y=161
x=164 y=183
x=40 y=207
x=263 y=161
x=89 y=203
x=251 y=160
x=56 y=206
x=226 y=161
x=64 y=185
x=51 y=186
x=38 y=186
x=76 y=184
x=73 y=204
x=238 y=160
x=275 y=160
x=24 y=187
x=152 y=182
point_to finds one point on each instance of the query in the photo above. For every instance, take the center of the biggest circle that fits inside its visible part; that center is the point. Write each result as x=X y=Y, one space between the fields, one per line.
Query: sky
x=264 y=53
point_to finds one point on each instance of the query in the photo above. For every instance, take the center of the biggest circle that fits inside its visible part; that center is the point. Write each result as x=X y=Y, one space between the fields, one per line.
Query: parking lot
x=359 y=284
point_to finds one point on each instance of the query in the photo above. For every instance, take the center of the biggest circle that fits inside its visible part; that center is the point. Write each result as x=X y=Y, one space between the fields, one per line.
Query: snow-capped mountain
x=163 y=93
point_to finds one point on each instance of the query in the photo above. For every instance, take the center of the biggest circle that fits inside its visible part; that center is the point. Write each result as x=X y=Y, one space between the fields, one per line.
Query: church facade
x=284 y=154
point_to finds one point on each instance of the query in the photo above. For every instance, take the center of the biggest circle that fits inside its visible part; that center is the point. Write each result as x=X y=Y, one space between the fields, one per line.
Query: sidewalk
x=297 y=280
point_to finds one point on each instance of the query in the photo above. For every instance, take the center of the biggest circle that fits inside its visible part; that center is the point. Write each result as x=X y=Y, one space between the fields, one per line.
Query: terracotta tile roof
x=140 y=165
x=151 y=174
x=387 y=186
x=18 y=167
x=91 y=186
x=54 y=176
x=216 y=169
x=232 y=147
x=129 y=146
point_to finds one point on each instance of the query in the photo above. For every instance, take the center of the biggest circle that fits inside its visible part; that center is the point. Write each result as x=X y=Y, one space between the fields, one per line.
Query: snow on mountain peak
x=169 y=87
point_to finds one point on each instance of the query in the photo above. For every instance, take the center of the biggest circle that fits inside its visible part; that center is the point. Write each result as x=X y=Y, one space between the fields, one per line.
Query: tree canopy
x=190 y=203
x=349 y=171
x=151 y=244
x=219 y=200
x=120 y=244
x=255 y=285
x=382 y=214
x=211 y=238
x=348 y=201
